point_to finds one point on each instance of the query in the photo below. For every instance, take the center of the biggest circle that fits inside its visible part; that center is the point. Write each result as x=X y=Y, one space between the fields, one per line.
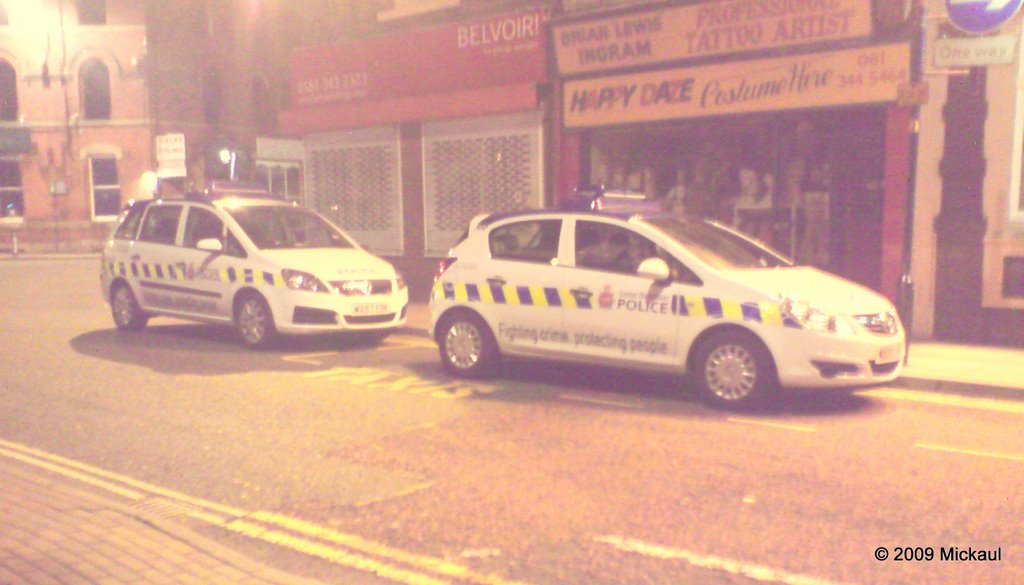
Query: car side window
x=161 y=224
x=612 y=248
x=533 y=241
x=200 y=225
x=233 y=247
x=130 y=225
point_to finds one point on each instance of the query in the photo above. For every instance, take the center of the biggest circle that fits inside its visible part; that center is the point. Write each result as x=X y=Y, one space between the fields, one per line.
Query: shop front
x=407 y=136
x=794 y=136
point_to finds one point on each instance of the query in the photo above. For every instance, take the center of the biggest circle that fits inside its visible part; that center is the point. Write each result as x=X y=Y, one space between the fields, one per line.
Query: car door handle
x=496 y=281
x=581 y=292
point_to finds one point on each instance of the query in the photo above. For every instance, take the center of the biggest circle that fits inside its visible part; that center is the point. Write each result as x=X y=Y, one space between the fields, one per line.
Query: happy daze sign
x=710 y=28
x=857 y=76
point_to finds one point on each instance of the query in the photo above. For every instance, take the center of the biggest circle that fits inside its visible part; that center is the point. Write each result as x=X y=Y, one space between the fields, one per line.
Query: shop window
x=1013 y=277
x=106 y=187
x=213 y=96
x=12 y=198
x=281 y=179
x=8 y=92
x=527 y=241
x=95 y=90
x=92 y=11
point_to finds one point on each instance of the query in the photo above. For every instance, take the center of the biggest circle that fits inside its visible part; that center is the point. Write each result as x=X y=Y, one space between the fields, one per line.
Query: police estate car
x=238 y=256
x=655 y=291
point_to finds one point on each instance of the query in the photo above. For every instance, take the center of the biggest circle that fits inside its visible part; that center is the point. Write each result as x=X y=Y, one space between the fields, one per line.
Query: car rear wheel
x=467 y=346
x=125 y=310
x=734 y=370
x=254 y=322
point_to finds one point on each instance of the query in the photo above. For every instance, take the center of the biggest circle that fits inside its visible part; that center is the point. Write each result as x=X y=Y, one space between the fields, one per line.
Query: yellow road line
x=243 y=523
x=975 y=452
x=360 y=544
x=131 y=494
x=947 y=400
x=333 y=555
x=773 y=424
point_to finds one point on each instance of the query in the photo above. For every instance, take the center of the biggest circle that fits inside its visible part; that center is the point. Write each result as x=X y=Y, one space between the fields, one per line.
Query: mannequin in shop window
x=675 y=199
x=754 y=206
x=806 y=197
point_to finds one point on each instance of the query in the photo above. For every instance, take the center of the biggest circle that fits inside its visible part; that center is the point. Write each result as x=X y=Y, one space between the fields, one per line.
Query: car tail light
x=443 y=267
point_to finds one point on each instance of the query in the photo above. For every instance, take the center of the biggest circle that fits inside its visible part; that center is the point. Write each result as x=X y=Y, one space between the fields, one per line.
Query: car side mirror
x=210 y=245
x=656 y=269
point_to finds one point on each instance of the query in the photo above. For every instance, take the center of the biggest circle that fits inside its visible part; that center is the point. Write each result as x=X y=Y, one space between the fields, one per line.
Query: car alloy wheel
x=463 y=344
x=126 y=312
x=254 y=321
x=731 y=372
x=733 y=369
x=466 y=345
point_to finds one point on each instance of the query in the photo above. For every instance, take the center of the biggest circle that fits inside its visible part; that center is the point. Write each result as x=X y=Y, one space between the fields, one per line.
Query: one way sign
x=981 y=16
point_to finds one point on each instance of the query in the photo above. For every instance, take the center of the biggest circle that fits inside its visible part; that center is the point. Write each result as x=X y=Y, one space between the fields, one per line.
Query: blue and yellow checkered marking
x=681 y=305
x=153 y=271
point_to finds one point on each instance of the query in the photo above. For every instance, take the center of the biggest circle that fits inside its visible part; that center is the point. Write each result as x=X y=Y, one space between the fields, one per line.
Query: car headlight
x=816 y=319
x=299 y=280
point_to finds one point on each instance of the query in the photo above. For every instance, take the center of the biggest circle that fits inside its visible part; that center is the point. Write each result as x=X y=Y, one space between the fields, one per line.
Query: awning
x=503 y=99
x=15 y=141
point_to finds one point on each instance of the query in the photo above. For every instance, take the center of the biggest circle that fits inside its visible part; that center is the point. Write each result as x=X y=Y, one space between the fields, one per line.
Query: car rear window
x=526 y=241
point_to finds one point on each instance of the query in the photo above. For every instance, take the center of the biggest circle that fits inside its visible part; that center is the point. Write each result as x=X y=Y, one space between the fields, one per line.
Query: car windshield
x=718 y=246
x=279 y=227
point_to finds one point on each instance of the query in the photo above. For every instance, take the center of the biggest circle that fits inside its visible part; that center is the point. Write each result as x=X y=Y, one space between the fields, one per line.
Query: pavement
x=52 y=532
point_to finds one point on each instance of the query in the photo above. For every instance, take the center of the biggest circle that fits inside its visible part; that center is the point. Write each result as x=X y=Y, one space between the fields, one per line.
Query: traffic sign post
x=981 y=16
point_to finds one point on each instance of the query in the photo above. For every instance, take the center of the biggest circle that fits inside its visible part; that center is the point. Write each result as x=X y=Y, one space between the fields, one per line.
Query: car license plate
x=889 y=354
x=370 y=309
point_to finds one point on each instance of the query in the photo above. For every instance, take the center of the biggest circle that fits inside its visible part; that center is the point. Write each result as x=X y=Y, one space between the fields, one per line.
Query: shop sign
x=855 y=76
x=708 y=28
x=501 y=50
x=975 y=51
x=170 y=155
x=981 y=16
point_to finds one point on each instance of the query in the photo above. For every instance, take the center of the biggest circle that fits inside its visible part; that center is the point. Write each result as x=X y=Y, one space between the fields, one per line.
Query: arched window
x=8 y=92
x=95 y=90
x=212 y=95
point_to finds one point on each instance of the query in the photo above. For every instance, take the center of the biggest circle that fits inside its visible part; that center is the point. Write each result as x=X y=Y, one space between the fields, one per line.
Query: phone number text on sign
x=875 y=70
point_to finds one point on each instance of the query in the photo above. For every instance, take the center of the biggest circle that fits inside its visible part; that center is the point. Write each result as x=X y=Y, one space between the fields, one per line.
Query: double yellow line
x=346 y=550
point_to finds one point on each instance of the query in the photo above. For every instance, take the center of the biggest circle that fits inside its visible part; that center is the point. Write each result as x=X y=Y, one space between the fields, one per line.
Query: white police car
x=236 y=255
x=654 y=291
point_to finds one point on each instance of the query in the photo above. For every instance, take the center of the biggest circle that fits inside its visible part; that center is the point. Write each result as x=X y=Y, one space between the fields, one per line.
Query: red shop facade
x=407 y=136
x=784 y=121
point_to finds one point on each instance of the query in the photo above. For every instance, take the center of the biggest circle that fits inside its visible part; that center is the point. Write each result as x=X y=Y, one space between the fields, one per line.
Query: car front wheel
x=254 y=322
x=734 y=370
x=125 y=310
x=467 y=346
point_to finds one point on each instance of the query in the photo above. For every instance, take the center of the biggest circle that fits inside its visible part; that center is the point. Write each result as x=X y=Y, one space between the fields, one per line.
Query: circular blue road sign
x=981 y=16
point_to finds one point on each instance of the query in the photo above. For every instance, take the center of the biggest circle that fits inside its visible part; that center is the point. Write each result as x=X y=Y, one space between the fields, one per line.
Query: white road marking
x=749 y=570
x=773 y=424
x=947 y=400
x=601 y=401
x=975 y=452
